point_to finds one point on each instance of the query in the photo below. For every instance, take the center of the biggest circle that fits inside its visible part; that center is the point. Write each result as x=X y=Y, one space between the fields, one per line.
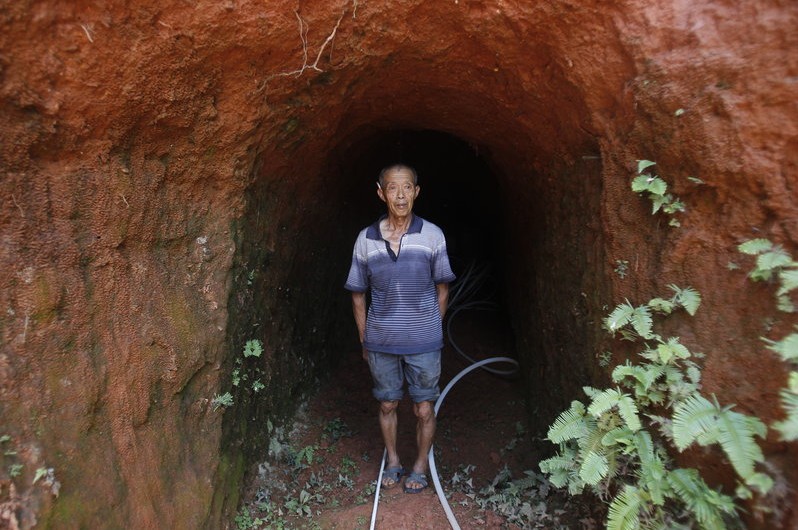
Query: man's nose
x=400 y=193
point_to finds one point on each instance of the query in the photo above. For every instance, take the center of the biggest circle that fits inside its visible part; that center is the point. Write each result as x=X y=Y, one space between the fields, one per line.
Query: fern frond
x=624 y=510
x=706 y=504
x=784 y=304
x=688 y=298
x=753 y=247
x=557 y=462
x=787 y=348
x=661 y=305
x=642 y=322
x=645 y=374
x=652 y=469
x=788 y=427
x=603 y=402
x=693 y=417
x=788 y=280
x=773 y=259
x=591 y=437
x=569 y=424
x=619 y=317
x=594 y=467
x=628 y=409
x=736 y=438
x=672 y=348
x=618 y=436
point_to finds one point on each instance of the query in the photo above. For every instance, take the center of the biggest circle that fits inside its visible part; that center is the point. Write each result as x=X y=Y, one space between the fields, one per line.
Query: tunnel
x=180 y=179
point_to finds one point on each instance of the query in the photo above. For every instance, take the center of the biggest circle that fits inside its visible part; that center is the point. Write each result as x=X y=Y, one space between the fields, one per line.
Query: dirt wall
x=141 y=143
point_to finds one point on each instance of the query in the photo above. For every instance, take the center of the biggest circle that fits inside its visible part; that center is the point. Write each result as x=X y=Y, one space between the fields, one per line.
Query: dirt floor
x=322 y=473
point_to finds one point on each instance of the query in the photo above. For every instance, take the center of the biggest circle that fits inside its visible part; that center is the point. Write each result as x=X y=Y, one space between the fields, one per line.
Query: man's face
x=399 y=192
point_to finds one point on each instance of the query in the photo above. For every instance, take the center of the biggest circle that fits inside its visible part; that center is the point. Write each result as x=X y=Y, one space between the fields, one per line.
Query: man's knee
x=387 y=407
x=424 y=410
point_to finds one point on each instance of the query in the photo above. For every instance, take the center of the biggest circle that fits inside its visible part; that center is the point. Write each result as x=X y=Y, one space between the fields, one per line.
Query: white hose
x=467 y=286
x=431 y=458
x=377 y=493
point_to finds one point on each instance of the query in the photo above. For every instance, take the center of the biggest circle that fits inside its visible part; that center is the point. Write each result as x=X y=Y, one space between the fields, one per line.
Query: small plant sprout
x=253 y=348
x=223 y=400
x=621 y=268
x=257 y=386
x=657 y=191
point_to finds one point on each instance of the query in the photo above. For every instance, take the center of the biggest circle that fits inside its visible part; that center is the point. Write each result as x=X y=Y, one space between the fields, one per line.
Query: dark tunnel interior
x=293 y=262
x=459 y=191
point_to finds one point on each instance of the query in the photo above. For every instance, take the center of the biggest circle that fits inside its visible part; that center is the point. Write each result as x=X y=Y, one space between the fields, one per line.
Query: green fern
x=672 y=348
x=787 y=347
x=736 y=437
x=569 y=425
x=688 y=298
x=660 y=305
x=755 y=246
x=707 y=505
x=694 y=417
x=788 y=427
x=773 y=259
x=641 y=322
x=594 y=467
x=788 y=280
x=610 y=398
x=625 y=509
x=619 y=317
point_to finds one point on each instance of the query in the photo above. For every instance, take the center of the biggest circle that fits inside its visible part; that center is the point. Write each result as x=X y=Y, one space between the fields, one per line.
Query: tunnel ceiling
x=179 y=177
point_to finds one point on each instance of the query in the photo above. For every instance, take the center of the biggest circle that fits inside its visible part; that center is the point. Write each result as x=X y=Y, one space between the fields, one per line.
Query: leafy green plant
x=773 y=263
x=15 y=470
x=336 y=429
x=223 y=400
x=617 y=444
x=305 y=456
x=656 y=189
x=621 y=268
x=245 y=521
x=301 y=505
x=253 y=348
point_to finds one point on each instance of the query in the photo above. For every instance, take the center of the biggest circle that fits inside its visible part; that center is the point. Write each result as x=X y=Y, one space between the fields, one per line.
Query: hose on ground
x=470 y=282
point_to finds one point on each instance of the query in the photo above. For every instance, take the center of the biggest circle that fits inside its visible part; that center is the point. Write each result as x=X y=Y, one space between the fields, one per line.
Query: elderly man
x=402 y=259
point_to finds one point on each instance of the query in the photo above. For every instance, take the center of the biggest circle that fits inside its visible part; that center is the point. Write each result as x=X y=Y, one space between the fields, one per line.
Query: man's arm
x=443 y=297
x=359 y=310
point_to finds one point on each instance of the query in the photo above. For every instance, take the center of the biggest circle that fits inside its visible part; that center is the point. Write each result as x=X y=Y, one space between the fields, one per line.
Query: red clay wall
x=140 y=142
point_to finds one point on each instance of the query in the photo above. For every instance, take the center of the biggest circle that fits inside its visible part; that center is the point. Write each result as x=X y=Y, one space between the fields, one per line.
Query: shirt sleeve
x=441 y=269
x=357 y=281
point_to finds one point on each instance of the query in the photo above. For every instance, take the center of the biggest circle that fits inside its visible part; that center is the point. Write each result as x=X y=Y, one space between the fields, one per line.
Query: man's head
x=398 y=188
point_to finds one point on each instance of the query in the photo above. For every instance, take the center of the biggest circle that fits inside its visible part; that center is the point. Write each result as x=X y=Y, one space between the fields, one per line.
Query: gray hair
x=398 y=167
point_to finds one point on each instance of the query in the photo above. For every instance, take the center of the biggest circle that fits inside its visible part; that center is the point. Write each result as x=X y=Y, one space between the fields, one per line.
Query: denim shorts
x=422 y=371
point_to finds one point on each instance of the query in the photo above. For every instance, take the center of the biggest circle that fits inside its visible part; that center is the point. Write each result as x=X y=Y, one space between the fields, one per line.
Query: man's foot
x=415 y=482
x=392 y=476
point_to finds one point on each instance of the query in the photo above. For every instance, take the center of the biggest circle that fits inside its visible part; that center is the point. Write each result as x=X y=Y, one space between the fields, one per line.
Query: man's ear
x=418 y=190
x=380 y=193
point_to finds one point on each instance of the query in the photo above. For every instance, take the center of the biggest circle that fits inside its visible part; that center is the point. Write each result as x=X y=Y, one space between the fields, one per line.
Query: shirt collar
x=374 y=230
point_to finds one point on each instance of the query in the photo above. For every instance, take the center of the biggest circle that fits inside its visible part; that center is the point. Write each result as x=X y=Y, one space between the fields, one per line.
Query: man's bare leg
x=388 y=422
x=425 y=433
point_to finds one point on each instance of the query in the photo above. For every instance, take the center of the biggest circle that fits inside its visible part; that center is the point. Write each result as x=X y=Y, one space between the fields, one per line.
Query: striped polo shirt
x=404 y=316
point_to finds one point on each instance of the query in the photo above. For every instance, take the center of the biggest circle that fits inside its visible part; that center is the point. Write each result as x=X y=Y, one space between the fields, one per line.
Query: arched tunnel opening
x=182 y=178
x=535 y=233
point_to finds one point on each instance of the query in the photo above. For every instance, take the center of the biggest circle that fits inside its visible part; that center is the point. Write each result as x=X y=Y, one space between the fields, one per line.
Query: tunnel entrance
x=528 y=222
